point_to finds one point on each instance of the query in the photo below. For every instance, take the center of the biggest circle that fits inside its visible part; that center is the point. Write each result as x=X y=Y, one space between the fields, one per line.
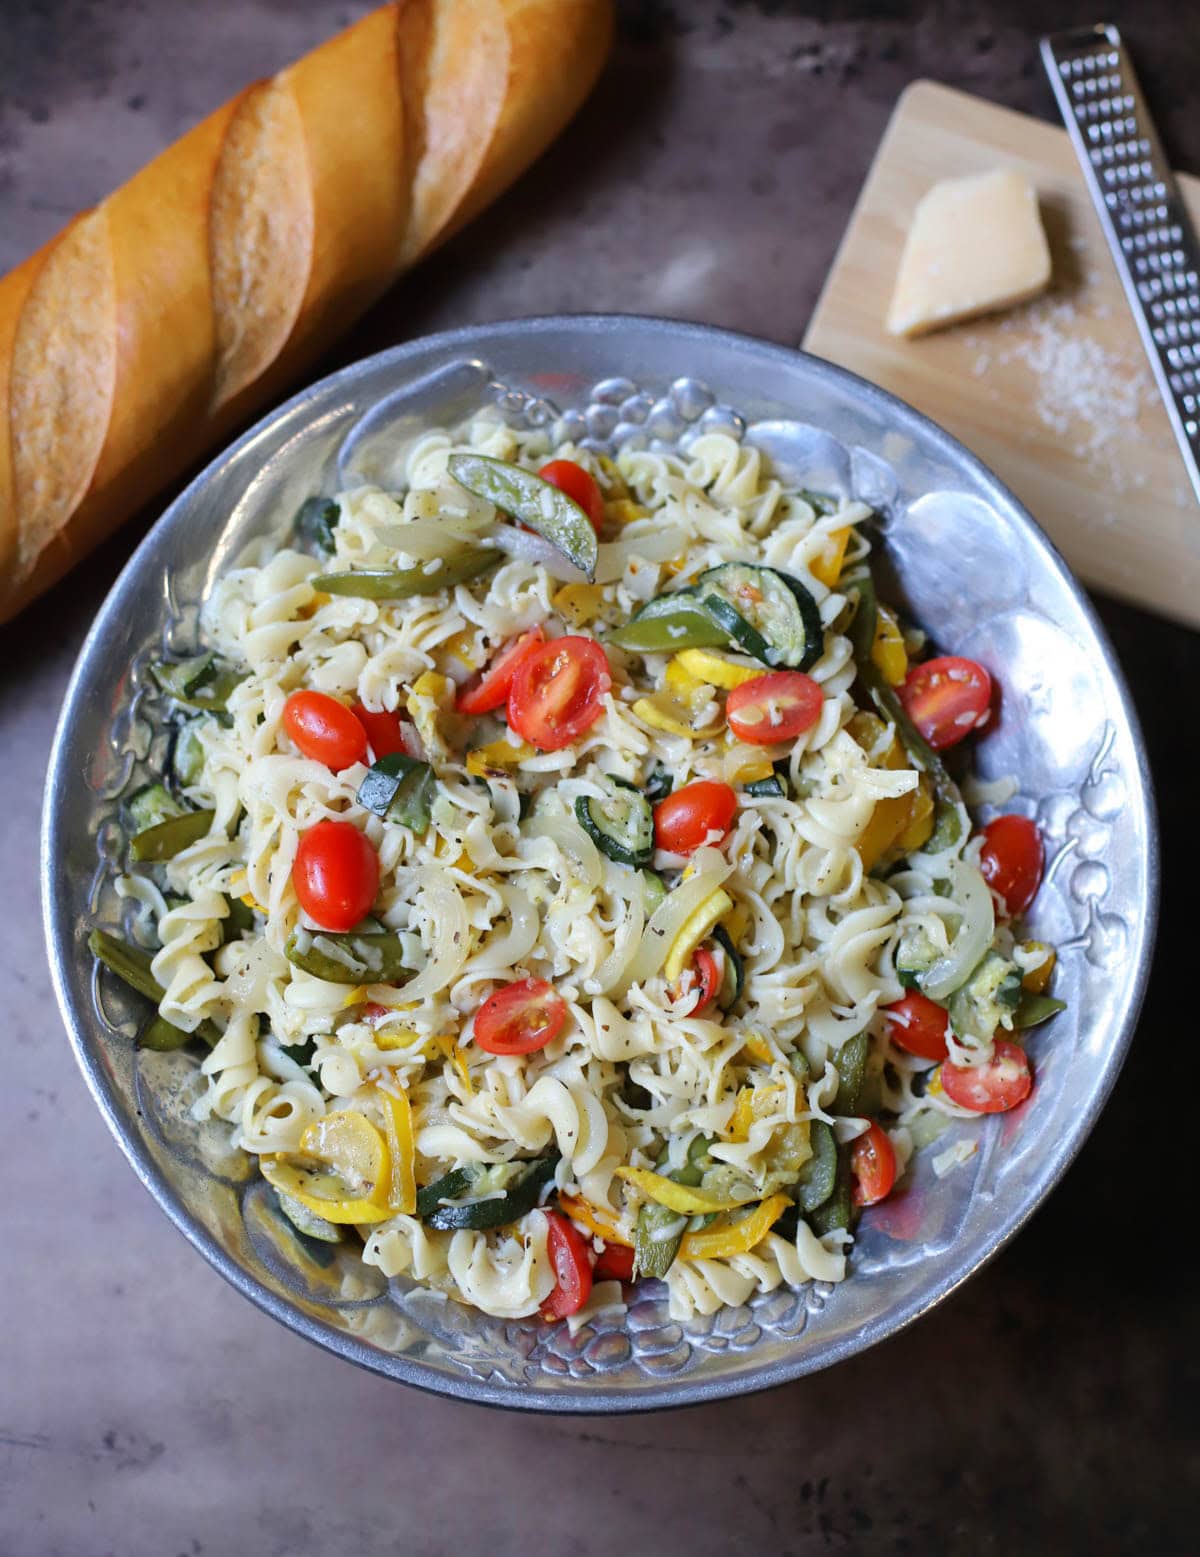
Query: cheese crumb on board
x=975 y=244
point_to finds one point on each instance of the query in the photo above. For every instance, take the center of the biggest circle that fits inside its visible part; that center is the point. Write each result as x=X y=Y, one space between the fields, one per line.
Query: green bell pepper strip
x=349 y=958
x=818 y=1176
x=851 y=1063
x=404 y=583
x=1032 y=1009
x=676 y=621
x=947 y=822
x=652 y=1255
x=162 y=1036
x=532 y=502
x=166 y=839
x=132 y=966
x=838 y=1210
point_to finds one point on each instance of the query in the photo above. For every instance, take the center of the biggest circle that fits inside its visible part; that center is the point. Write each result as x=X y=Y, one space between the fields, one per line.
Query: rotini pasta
x=542 y=915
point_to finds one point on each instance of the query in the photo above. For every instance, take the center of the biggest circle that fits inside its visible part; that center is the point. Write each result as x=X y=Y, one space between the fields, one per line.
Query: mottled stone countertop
x=145 y=1408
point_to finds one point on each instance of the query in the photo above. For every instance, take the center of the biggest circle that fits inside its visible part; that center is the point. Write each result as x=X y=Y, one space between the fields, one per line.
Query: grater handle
x=1141 y=210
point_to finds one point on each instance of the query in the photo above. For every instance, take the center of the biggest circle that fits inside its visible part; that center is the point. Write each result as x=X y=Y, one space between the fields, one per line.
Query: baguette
x=157 y=322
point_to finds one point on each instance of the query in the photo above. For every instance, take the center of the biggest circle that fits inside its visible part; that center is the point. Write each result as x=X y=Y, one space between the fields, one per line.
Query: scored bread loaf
x=158 y=321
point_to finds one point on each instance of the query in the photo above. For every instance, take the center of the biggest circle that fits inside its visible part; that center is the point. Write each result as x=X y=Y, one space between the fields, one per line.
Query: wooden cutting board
x=1057 y=396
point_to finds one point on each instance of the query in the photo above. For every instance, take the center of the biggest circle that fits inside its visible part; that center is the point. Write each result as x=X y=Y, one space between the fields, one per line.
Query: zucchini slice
x=520 y=1183
x=315 y=522
x=735 y=971
x=768 y=614
x=187 y=752
x=679 y=620
x=767 y=788
x=400 y=789
x=202 y=682
x=152 y=804
x=621 y=825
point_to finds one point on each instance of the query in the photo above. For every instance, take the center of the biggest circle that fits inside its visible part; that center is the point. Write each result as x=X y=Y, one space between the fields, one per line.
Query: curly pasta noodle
x=505 y=885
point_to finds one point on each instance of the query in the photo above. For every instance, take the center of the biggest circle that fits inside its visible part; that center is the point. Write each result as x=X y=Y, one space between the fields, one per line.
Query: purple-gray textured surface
x=145 y=1407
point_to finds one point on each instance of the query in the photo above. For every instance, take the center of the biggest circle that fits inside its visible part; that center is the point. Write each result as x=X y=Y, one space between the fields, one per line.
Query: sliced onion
x=970 y=896
x=427 y=538
x=627 y=936
x=527 y=546
x=658 y=545
x=710 y=869
x=520 y=938
x=575 y=843
x=440 y=899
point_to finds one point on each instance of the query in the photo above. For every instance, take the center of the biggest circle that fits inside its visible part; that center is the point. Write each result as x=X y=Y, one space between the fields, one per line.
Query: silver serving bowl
x=965 y=559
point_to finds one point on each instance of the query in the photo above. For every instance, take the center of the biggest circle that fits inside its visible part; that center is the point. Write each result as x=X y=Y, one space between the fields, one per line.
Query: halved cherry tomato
x=613 y=1263
x=568 y=1250
x=688 y=816
x=325 y=729
x=873 y=1164
x=336 y=874
x=776 y=707
x=1011 y=860
x=946 y=699
x=385 y=733
x=994 y=1088
x=579 y=486
x=919 y=1025
x=558 y=691
x=520 y=1018
x=707 y=973
x=491 y=687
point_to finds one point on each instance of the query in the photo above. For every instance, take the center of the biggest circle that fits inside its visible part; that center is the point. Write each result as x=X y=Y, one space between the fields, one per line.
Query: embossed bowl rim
x=62 y=906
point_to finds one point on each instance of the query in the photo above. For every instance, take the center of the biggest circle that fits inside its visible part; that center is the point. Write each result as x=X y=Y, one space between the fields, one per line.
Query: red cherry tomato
x=687 y=817
x=919 y=1025
x=569 y=1254
x=613 y=1263
x=994 y=1088
x=336 y=874
x=520 y=1018
x=490 y=689
x=384 y=731
x=776 y=707
x=946 y=699
x=579 y=486
x=325 y=729
x=1011 y=860
x=707 y=973
x=873 y=1164
x=558 y=691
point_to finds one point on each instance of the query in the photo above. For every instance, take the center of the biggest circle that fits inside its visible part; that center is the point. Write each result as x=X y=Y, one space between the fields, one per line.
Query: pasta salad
x=558 y=863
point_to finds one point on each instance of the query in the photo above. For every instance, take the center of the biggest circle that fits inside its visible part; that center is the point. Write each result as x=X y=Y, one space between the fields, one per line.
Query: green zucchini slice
x=768 y=614
x=621 y=825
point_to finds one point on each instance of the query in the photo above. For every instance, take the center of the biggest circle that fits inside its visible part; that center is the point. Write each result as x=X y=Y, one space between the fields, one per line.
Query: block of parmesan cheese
x=976 y=244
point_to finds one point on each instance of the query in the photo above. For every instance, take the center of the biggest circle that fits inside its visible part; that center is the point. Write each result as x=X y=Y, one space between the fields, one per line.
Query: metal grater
x=1145 y=221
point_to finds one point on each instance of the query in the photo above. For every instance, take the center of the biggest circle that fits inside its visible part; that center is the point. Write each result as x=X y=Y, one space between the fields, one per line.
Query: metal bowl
x=965 y=559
